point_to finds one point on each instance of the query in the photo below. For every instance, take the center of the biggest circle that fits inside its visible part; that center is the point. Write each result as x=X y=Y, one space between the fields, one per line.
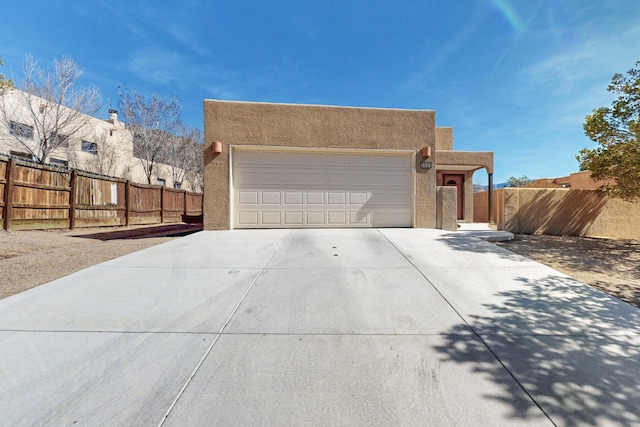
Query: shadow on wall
x=575 y=350
x=555 y=211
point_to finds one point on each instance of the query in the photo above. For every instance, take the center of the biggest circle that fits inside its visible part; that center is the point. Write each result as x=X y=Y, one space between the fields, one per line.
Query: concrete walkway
x=319 y=327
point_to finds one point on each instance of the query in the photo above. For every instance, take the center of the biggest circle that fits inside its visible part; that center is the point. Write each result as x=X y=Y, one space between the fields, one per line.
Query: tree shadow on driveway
x=573 y=349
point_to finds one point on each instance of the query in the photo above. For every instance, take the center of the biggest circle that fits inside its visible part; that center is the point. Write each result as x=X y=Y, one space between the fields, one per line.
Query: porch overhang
x=464 y=160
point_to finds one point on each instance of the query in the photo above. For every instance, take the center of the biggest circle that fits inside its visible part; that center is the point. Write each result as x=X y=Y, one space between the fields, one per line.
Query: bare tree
x=153 y=123
x=195 y=170
x=103 y=161
x=182 y=155
x=49 y=107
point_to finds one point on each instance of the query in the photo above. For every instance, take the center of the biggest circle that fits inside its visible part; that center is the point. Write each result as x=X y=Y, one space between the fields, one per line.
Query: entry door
x=456 y=180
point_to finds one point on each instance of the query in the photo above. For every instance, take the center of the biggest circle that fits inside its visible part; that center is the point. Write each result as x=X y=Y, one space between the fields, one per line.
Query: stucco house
x=294 y=166
x=104 y=147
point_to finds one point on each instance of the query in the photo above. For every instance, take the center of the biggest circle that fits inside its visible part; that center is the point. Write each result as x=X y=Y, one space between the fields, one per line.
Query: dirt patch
x=31 y=258
x=610 y=265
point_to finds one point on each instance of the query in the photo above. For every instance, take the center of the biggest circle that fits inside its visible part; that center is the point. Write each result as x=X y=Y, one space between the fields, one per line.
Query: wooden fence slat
x=127 y=201
x=72 y=200
x=23 y=184
x=8 y=195
x=163 y=201
x=38 y=196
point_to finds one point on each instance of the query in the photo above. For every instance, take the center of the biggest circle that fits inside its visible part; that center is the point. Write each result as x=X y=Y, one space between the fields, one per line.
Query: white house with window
x=76 y=141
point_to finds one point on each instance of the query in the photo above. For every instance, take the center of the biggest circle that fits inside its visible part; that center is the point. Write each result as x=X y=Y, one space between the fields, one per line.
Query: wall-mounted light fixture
x=216 y=147
x=426 y=152
x=426 y=165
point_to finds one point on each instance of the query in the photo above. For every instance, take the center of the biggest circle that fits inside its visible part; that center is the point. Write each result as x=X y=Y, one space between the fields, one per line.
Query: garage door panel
x=398 y=180
x=358 y=180
x=379 y=161
x=337 y=198
x=315 y=198
x=302 y=189
x=248 y=197
x=293 y=197
x=358 y=198
x=271 y=178
x=293 y=218
x=312 y=159
x=378 y=180
x=337 y=218
x=315 y=179
x=339 y=160
x=270 y=198
x=292 y=178
x=316 y=218
x=248 y=218
x=400 y=162
x=249 y=179
x=357 y=161
x=271 y=218
x=358 y=218
x=337 y=179
x=388 y=218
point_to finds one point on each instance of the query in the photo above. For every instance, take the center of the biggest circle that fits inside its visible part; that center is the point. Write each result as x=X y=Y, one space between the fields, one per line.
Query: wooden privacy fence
x=38 y=197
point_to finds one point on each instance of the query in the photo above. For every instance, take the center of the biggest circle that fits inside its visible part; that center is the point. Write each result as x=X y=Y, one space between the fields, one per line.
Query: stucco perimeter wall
x=566 y=212
x=312 y=126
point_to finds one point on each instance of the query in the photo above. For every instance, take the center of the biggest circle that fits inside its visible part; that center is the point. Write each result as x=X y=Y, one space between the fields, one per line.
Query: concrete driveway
x=319 y=327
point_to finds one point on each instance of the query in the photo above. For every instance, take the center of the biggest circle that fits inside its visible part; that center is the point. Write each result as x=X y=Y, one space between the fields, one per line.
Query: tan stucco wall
x=447 y=211
x=304 y=126
x=444 y=138
x=561 y=211
x=481 y=159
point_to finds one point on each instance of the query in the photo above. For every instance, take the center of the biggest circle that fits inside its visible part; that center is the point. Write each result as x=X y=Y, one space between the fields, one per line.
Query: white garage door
x=292 y=189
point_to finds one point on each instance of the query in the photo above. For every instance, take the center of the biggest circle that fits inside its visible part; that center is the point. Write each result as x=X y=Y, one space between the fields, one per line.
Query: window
x=177 y=185
x=59 y=140
x=21 y=155
x=58 y=162
x=89 y=147
x=20 y=129
x=161 y=181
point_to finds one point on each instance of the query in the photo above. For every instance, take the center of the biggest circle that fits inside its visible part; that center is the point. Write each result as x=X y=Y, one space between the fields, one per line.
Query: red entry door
x=456 y=180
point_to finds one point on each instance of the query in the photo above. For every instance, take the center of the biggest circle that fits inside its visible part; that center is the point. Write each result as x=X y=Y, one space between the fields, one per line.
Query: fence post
x=8 y=194
x=72 y=199
x=184 y=205
x=127 y=202
x=162 y=204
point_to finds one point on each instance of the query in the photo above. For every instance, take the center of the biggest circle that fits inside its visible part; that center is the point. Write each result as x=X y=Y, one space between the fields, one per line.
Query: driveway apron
x=319 y=327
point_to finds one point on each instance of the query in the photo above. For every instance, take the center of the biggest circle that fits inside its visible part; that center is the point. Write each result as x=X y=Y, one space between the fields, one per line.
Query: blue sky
x=516 y=77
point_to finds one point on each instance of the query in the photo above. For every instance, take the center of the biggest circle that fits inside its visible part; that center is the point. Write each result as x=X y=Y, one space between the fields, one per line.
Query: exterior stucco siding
x=312 y=126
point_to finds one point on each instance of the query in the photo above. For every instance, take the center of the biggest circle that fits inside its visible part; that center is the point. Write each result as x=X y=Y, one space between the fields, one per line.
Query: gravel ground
x=31 y=258
x=610 y=265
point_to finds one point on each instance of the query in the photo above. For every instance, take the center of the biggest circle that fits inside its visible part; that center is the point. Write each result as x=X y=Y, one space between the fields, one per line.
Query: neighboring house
x=577 y=181
x=103 y=147
x=292 y=166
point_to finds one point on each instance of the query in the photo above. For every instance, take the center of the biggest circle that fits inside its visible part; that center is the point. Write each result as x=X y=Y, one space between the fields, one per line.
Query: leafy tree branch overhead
x=4 y=82
x=616 y=130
